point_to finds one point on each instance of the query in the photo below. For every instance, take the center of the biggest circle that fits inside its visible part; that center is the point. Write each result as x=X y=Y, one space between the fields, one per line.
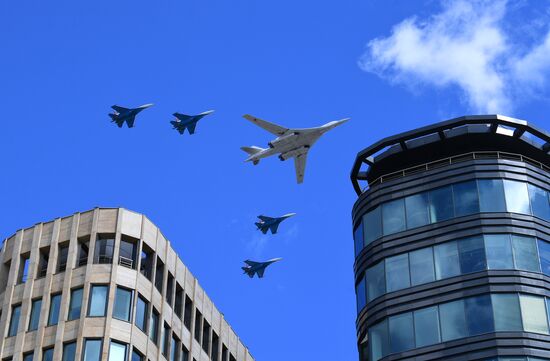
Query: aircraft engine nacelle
x=280 y=140
x=294 y=153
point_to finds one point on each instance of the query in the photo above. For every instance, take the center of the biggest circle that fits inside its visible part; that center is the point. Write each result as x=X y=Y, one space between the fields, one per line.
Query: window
x=104 y=246
x=159 y=275
x=92 y=350
x=446 y=260
x=62 y=257
x=28 y=356
x=47 y=354
x=533 y=313
x=361 y=294
x=169 y=289
x=43 y=259
x=98 y=301
x=506 y=312
x=174 y=349
x=539 y=202
x=69 y=351
x=544 y=256
x=178 y=308
x=137 y=356
x=83 y=251
x=231 y=357
x=166 y=340
x=525 y=253
x=453 y=321
x=397 y=272
x=379 y=343
x=35 y=314
x=466 y=198
x=185 y=353
x=422 y=266
x=206 y=337
x=426 y=326
x=472 y=254
x=441 y=204
x=215 y=346
x=358 y=238
x=393 y=216
x=154 y=331
x=224 y=353
x=188 y=315
x=376 y=285
x=418 y=210
x=117 y=351
x=142 y=310
x=127 y=252
x=123 y=304
x=401 y=332
x=75 y=304
x=491 y=195
x=24 y=263
x=198 y=324
x=373 y=225
x=517 y=197
x=147 y=259
x=14 y=322
x=55 y=303
x=479 y=315
x=498 y=249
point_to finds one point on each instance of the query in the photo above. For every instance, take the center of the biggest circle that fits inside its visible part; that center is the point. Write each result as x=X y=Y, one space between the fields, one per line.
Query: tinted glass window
x=92 y=350
x=466 y=198
x=517 y=198
x=533 y=314
x=378 y=337
x=123 y=304
x=69 y=350
x=453 y=321
x=127 y=254
x=136 y=356
x=117 y=351
x=361 y=295
x=525 y=253
x=539 y=202
x=75 y=304
x=491 y=195
x=28 y=357
x=358 y=238
x=98 y=300
x=472 y=254
x=141 y=314
x=397 y=272
x=498 y=250
x=506 y=312
x=55 y=303
x=47 y=355
x=479 y=315
x=393 y=216
x=401 y=332
x=418 y=210
x=104 y=247
x=35 y=314
x=446 y=260
x=422 y=266
x=153 y=332
x=441 y=204
x=373 y=225
x=544 y=255
x=14 y=323
x=426 y=326
x=376 y=285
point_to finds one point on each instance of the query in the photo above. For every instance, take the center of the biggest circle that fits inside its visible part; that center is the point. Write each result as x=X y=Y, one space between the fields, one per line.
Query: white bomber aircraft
x=291 y=143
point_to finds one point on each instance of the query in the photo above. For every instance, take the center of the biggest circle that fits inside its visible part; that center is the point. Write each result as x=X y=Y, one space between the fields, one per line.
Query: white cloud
x=466 y=45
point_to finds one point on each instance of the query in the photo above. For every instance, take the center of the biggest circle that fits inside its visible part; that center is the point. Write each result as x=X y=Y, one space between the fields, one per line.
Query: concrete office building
x=105 y=285
x=452 y=242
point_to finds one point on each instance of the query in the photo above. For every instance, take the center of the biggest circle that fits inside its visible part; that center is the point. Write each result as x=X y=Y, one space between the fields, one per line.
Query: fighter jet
x=290 y=143
x=128 y=115
x=253 y=268
x=188 y=122
x=271 y=223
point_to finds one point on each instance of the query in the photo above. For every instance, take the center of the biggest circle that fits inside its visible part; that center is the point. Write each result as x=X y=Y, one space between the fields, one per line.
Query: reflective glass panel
x=426 y=326
x=14 y=323
x=393 y=216
x=397 y=272
x=117 y=351
x=544 y=256
x=525 y=253
x=92 y=350
x=153 y=332
x=141 y=314
x=28 y=357
x=378 y=340
x=136 y=356
x=361 y=295
x=446 y=260
x=491 y=195
x=441 y=204
x=422 y=266
x=35 y=314
x=55 y=303
x=472 y=254
x=539 y=202
x=418 y=210
x=98 y=301
x=401 y=332
x=498 y=250
x=47 y=355
x=376 y=285
x=466 y=198
x=533 y=314
x=517 y=197
x=358 y=238
x=453 y=320
x=373 y=225
x=478 y=314
x=69 y=350
x=123 y=304
x=75 y=304
x=506 y=312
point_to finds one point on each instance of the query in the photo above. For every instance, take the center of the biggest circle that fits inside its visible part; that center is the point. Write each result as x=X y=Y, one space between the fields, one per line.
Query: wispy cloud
x=467 y=45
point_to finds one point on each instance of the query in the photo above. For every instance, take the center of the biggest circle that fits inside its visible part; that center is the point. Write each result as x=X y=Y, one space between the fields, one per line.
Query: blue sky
x=300 y=64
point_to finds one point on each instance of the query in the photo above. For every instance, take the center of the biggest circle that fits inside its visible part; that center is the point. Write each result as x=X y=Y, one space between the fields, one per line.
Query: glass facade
x=453 y=258
x=461 y=199
x=466 y=317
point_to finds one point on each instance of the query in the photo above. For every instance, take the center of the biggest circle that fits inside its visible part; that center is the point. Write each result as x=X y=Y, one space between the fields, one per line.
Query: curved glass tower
x=452 y=242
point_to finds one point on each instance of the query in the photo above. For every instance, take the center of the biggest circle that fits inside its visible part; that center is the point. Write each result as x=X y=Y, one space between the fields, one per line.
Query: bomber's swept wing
x=251 y=263
x=270 y=127
x=119 y=108
x=260 y=272
x=265 y=218
x=300 y=166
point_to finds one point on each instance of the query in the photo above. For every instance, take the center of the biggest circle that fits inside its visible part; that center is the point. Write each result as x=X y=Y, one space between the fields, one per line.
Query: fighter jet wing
x=119 y=109
x=251 y=263
x=182 y=117
x=191 y=127
x=300 y=166
x=270 y=127
x=265 y=218
x=274 y=228
x=260 y=272
x=130 y=121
